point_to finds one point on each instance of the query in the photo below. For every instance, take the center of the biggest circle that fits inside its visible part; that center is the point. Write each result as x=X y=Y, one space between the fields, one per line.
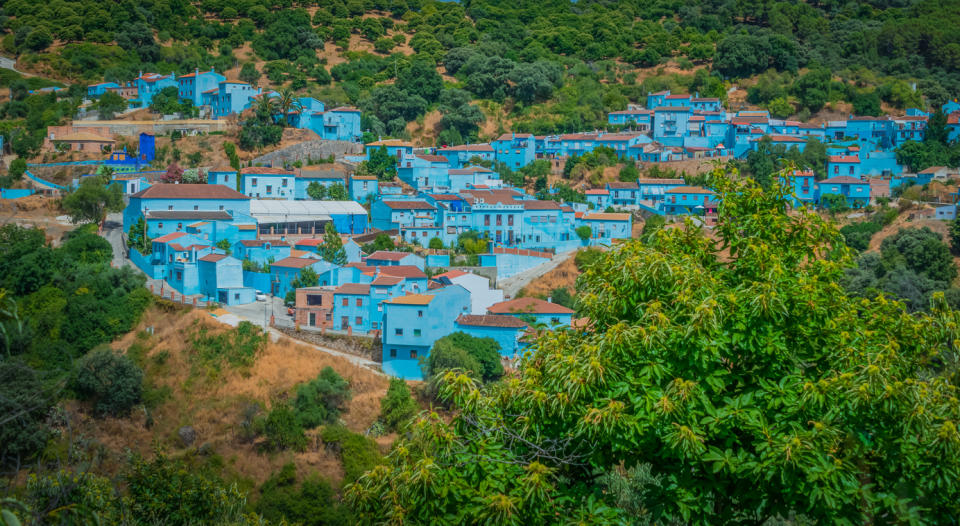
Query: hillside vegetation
x=541 y=67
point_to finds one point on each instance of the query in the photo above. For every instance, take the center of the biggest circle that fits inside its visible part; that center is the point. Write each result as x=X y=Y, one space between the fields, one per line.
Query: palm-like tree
x=287 y=101
x=264 y=105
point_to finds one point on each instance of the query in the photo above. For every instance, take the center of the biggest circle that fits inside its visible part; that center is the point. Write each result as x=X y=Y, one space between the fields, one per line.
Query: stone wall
x=365 y=347
x=316 y=149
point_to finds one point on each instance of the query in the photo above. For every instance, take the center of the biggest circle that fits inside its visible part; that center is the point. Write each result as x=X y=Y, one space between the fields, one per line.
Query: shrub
x=281 y=428
x=321 y=401
x=486 y=351
x=314 y=502
x=24 y=404
x=238 y=347
x=358 y=453
x=398 y=407
x=110 y=380
x=448 y=357
x=585 y=258
x=584 y=232
x=436 y=243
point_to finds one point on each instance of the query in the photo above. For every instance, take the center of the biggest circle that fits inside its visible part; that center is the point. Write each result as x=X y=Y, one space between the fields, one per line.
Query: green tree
x=110 y=104
x=397 y=407
x=111 y=381
x=321 y=400
x=816 y=420
x=332 y=249
x=24 y=404
x=834 y=203
x=316 y=191
x=955 y=236
x=249 y=73
x=311 y=502
x=281 y=429
x=584 y=233
x=92 y=200
x=436 y=243
x=486 y=352
x=381 y=164
x=629 y=173
x=780 y=108
x=224 y=245
x=338 y=192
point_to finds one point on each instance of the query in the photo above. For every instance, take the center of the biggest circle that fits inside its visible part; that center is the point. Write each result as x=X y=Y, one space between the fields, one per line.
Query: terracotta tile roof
x=502 y=197
x=533 y=204
x=432 y=158
x=606 y=217
x=169 y=237
x=784 y=138
x=265 y=170
x=293 y=262
x=705 y=99
x=527 y=304
x=843 y=159
x=402 y=271
x=353 y=288
x=667 y=109
x=346 y=109
x=689 y=190
x=469 y=170
x=409 y=205
x=189 y=191
x=213 y=258
x=386 y=280
x=843 y=179
x=246 y=227
x=222 y=169
x=596 y=191
x=445 y=197
x=388 y=255
x=198 y=224
x=932 y=169
x=678 y=96
x=618 y=185
x=390 y=142
x=468 y=148
x=363 y=177
x=261 y=242
x=310 y=242
x=492 y=320
x=411 y=299
x=83 y=136
x=511 y=136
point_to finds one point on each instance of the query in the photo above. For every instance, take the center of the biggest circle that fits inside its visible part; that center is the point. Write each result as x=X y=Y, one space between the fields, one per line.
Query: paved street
x=512 y=285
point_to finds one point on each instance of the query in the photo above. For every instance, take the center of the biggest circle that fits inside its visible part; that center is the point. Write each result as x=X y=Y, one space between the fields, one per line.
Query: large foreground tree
x=722 y=379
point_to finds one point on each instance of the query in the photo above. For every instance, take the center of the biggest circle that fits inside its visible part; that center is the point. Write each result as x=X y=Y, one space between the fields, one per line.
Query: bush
x=314 y=502
x=486 y=351
x=110 y=380
x=398 y=407
x=358 y=453
x=585 y=258
x=321 y=401
x=448 y=357
x=24 y=404
x=584 y=232
x=436 y=243
x=281 y=428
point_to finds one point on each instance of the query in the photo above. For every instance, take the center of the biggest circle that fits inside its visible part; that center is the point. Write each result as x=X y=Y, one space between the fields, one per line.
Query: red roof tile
x=527 y=304
x=353 y=288
x=688 y=190
x=409 y=205
x=402 y=271
x=492 y=320
x=293 y=262
x=843 y=159
x=169 y=237
x=189 y=191
x=265 y=170
x=432 y=158
x=843 y=179
x=213 y=258
x=468 y=148
x=388 y=255
x=386 y=280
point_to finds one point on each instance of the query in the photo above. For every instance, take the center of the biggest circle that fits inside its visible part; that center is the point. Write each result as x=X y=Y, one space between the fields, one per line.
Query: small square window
x=416 y=332
x=346 y=302
x=359 y=302
x=398 y=332
x=359 y=320
x=419 y=313
x=393 y=353
x=413 y=354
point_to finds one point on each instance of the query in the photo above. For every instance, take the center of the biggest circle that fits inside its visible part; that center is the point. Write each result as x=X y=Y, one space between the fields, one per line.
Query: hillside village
x=296 y=234
x=479 y=262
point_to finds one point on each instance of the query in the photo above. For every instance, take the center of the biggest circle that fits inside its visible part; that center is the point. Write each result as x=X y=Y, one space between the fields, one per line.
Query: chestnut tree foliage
x=723 y=378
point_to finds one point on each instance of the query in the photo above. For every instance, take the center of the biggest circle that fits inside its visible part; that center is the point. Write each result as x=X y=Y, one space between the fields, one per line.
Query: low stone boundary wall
x=365 y=347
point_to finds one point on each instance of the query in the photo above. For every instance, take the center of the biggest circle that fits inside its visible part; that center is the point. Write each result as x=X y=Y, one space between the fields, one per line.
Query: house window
x=836 y=169
x=169 y=207
x=226 y=178
x=269 y=188
x=486 y=220
x=398 y=332
x=416 y=332
x=359 y=320
x=499 y=219
x=179 y=275
x=196 y=207
x=510 y=220
x=359 y=302
x=419 y=313
x=851 y=170
x=160 y=226
x=555 y=320
x=413 y=355
x=179 y=226
x=254 y=182
x=393 y=353
x=283 y=183
x=236 y=297
x=346 y=302
x=221 y=207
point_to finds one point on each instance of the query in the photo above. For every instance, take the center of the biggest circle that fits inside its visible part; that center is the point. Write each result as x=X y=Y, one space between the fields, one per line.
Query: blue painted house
x=856 y=191
x=395 y=147
x=351 y=308
x=507 y=330
x=460 y=156
x=387 y=258
x=364 y=188
x=393 y=214
x=516 y=150
x=633 y=116
x=192 y=85
x=230 y=97
x=599 y=198
x=149 y=84
x=623 y=194
x=224 y=175
x=670 y=124
x=261 y=251
x=605 y=227
x=326 y=175
x=687 y=200
x=654 y=190
x=802 y=186
x=221 y=280
x=534 y=311
x=843 y=165
x=338 y=124
x=424 y=172
x=95 y=90
x=170 y=207
x=268 y=183
x=412 y=323
x=284 y=271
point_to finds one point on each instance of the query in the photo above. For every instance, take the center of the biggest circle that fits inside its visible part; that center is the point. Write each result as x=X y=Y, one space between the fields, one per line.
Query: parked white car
x=261 y=296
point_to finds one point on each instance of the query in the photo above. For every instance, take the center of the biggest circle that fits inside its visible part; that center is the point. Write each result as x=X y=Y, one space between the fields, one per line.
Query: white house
x=481 y=295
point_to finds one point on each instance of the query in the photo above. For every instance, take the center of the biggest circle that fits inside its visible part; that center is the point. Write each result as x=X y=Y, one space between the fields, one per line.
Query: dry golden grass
x=214 y=404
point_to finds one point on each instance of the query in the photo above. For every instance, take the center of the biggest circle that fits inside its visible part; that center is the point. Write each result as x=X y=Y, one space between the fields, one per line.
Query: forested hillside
x=539 y=66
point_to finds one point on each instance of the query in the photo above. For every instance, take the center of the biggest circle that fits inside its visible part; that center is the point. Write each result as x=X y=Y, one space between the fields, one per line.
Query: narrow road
x=512 y=285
